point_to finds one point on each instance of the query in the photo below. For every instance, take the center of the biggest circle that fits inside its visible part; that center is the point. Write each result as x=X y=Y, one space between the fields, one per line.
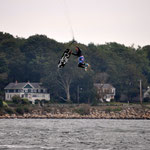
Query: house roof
x=99 y=85
x=22 y=85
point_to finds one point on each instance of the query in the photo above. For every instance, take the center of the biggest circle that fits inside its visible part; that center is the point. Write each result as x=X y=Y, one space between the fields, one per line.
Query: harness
x=81 y=59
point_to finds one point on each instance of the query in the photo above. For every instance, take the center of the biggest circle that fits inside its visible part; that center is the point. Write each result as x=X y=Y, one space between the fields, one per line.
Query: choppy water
x=74 y=134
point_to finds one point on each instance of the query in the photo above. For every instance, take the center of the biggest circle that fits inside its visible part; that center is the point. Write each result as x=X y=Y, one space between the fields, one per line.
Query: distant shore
x=84 y=112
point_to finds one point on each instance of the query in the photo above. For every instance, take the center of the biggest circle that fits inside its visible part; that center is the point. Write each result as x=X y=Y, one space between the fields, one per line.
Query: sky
x=89 y=21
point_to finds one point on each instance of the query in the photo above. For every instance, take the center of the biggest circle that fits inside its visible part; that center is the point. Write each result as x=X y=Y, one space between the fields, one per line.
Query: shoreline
x=127 y=113
x=70 y=117
x=82 y=111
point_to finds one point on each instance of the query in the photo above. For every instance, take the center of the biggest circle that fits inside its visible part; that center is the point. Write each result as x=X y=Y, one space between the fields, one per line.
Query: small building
x=105 y=92
x=31 y=91
x=147 y=93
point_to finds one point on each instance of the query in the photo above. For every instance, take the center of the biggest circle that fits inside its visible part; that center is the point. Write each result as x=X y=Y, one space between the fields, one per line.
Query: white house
x=147 y=93
x=105 y=91
x=31 y=91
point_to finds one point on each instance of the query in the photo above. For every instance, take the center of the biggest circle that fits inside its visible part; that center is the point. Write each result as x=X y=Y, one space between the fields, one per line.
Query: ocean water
x=74 y=134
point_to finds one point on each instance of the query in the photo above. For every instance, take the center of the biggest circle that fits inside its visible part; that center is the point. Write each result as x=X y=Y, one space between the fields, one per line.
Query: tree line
x=35 y=59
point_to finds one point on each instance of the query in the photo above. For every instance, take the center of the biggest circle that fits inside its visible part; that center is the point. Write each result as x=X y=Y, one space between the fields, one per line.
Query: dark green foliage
x=146 y=99
x=44 y=101
x=1 y=103
x=35 y=59
x=95 y=102
x=83 y=110
x=9 y=110
x=25 y=101
x=17 y=99
x=37 y=101
x=26 y=109
x=20 y=110
x=113 y=109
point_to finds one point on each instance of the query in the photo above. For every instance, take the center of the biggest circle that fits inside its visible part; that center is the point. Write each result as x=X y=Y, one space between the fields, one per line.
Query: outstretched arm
x=74 y=54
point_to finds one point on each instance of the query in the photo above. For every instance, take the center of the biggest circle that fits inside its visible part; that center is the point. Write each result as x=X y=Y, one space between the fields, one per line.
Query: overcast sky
x=98 y=21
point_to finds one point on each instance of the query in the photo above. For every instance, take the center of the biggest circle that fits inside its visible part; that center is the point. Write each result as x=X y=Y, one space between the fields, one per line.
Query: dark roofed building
x=31 y=91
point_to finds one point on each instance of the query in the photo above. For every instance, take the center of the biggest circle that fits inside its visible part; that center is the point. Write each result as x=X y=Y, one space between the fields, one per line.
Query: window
x=26 y=90
x=21 y=90
x=29 y=90
x=8 y=96
x=11 y=91
x=113 y=90
x=26 y=95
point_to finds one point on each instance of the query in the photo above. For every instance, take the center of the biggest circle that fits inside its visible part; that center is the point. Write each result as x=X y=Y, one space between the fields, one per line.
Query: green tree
x=1 y=103
x=16 y=99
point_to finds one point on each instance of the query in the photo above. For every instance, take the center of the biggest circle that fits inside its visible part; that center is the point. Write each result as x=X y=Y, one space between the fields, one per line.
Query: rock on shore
x=125 y=113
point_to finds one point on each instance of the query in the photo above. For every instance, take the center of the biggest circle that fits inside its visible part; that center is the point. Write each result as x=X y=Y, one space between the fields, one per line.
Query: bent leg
x=81 y=65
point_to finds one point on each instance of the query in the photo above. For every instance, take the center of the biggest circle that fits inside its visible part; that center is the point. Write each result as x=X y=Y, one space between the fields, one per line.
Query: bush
x=52 y=101
x=2 y=111
x=20 y=110
x=26 y=110
x=113 y=109
x=37 y=101
x=1 y=103
x=25 y=101
x=16 y=99
x=48 y=109
x=9 y=110
x=146 y=99
x=83 y=110
x=43 y=102
x=5 y=104
x=95 y=102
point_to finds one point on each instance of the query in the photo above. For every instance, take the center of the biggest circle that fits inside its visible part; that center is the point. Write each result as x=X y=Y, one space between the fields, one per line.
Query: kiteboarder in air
x=81 y=63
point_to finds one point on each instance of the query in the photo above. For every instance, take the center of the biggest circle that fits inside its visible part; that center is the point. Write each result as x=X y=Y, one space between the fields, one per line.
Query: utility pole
x=141 y=97
x=78 y=94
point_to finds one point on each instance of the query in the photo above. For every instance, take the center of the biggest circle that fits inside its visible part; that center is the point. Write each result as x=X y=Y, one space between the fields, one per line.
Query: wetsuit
x=80 y=58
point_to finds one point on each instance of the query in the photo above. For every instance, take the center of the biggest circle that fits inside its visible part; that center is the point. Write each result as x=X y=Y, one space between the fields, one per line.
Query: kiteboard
x=64 y=59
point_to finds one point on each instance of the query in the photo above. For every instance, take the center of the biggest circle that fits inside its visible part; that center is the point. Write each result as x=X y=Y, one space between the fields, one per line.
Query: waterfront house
x=105 y=92
x=31 y=91
x=147 y=93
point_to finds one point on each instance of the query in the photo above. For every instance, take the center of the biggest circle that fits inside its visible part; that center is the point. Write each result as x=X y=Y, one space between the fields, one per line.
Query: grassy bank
x=103 y=110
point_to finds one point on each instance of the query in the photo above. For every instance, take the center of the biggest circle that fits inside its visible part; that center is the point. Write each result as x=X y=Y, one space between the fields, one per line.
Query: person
x=81 y=63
